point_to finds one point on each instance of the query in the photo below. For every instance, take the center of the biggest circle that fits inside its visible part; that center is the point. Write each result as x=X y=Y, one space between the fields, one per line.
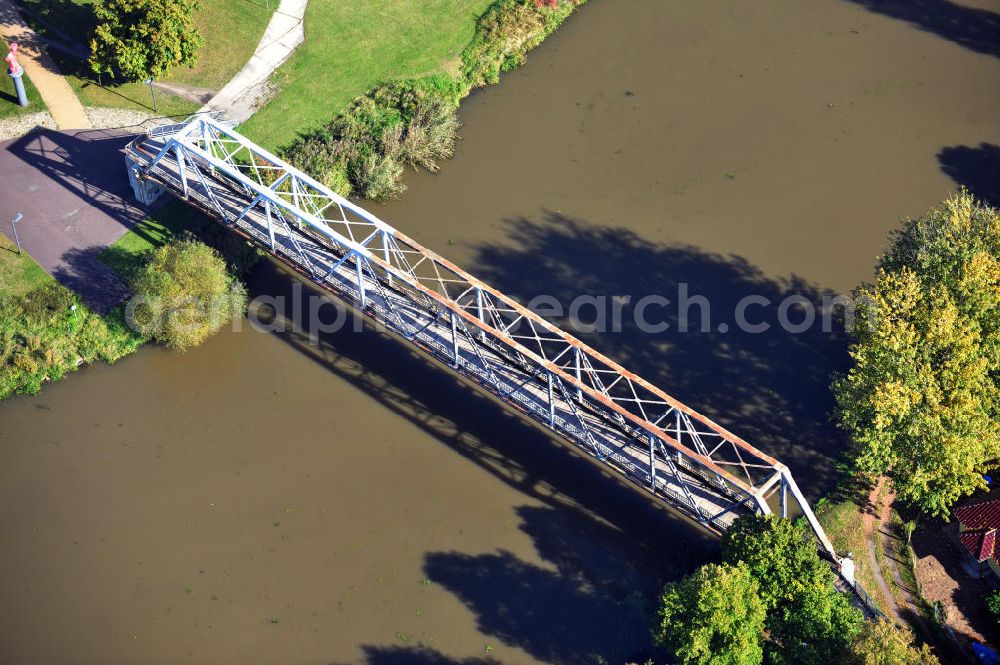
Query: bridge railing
x=417 y=290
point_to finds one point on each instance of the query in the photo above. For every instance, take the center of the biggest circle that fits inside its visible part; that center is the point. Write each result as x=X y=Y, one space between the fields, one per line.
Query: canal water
x=270 y=498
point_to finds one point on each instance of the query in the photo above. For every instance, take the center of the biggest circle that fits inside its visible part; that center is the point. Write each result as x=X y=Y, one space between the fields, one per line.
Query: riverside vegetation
x=922 y=400
x=365 y=149
x=46 y=331
x=772 y=600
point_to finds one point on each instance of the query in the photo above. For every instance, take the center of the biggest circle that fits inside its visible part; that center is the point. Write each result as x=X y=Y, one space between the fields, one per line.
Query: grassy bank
x=46 y=331
x=842 y=515
x=351 y=45
x=230 y=28
x=412 y=122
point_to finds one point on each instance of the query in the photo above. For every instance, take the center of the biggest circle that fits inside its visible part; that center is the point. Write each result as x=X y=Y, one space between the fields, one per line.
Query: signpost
x=13 y=225
x=149 y=82
x=16 y=71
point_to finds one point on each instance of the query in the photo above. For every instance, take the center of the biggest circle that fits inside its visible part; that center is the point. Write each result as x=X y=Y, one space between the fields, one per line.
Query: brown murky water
x=261 y=500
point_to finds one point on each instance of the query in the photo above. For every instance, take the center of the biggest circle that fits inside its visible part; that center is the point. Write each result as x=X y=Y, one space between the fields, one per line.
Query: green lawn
x=230 y=28
x=353 y=44
x=168 y=222
x=8 y=97
x=19 y=274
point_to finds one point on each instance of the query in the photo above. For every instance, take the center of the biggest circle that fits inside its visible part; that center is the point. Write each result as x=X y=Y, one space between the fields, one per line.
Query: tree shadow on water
x=584 y=605
x=977 y=169
x=975 y=29
x=771 y=387
x=421 y=655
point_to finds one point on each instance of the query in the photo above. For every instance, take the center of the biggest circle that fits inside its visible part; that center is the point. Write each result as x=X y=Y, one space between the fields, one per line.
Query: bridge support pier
x=146 y=191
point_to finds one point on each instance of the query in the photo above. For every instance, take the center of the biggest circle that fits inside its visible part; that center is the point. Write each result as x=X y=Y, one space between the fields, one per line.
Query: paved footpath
x=249 y=89
x=60 y=99
x=73 y=191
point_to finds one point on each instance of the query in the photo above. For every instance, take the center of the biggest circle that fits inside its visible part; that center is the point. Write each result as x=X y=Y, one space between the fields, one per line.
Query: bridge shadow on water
x=607 y=548
x=771 y=388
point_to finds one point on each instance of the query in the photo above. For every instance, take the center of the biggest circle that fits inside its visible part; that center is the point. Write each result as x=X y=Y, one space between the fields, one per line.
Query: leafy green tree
x=993 y=604
x=882 y=643
x=136 y=39
x=184 y=294
x=713 y=617
x=807 y=619
x=781 y=556
x=923 y=398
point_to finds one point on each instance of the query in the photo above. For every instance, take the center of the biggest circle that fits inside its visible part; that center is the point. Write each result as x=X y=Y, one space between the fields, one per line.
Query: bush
x=365 y=149
x=184 y=294
x=993 y=604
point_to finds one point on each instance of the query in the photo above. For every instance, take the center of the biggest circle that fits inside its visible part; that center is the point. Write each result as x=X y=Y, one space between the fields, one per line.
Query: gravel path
x=19 y=125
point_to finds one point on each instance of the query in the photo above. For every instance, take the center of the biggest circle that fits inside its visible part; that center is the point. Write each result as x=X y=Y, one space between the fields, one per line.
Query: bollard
x=22 y=98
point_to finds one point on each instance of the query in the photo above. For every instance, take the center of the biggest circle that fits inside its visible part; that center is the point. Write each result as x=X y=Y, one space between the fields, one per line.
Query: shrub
x=184 y=294
x=376 y=175
x=993 y=604
x=429 y=134
x=42 y=336
x=365 y=148
x=413 y=123
x=504 y=35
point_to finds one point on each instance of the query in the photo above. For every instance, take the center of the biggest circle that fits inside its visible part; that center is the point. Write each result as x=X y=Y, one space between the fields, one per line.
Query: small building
x=978 y=524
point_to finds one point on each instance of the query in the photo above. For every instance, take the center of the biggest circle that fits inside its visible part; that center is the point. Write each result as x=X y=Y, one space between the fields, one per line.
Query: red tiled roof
x=981 y=543
x=982 y=515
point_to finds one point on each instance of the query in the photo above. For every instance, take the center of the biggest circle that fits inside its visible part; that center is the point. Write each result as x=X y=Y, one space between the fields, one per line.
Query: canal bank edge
x=61 y=350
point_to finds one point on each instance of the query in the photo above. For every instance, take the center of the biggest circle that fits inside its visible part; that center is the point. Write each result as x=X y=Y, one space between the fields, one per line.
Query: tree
x=882 y=643
x=992 y=600
x=713 y=617
x=807 y=619
x=184 y=294
x=923 y=397
x=781 y=557
x=137 y=39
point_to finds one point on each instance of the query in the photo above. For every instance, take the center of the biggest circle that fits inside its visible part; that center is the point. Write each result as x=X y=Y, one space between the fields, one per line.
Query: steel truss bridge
x=676 y=454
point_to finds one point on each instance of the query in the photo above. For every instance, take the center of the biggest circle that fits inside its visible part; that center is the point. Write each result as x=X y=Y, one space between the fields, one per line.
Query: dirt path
x=60 y=99
x=870 y=541
x=891 y=543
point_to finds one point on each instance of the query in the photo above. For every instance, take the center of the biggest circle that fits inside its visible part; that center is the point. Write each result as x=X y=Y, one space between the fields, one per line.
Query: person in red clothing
x=13 y=67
